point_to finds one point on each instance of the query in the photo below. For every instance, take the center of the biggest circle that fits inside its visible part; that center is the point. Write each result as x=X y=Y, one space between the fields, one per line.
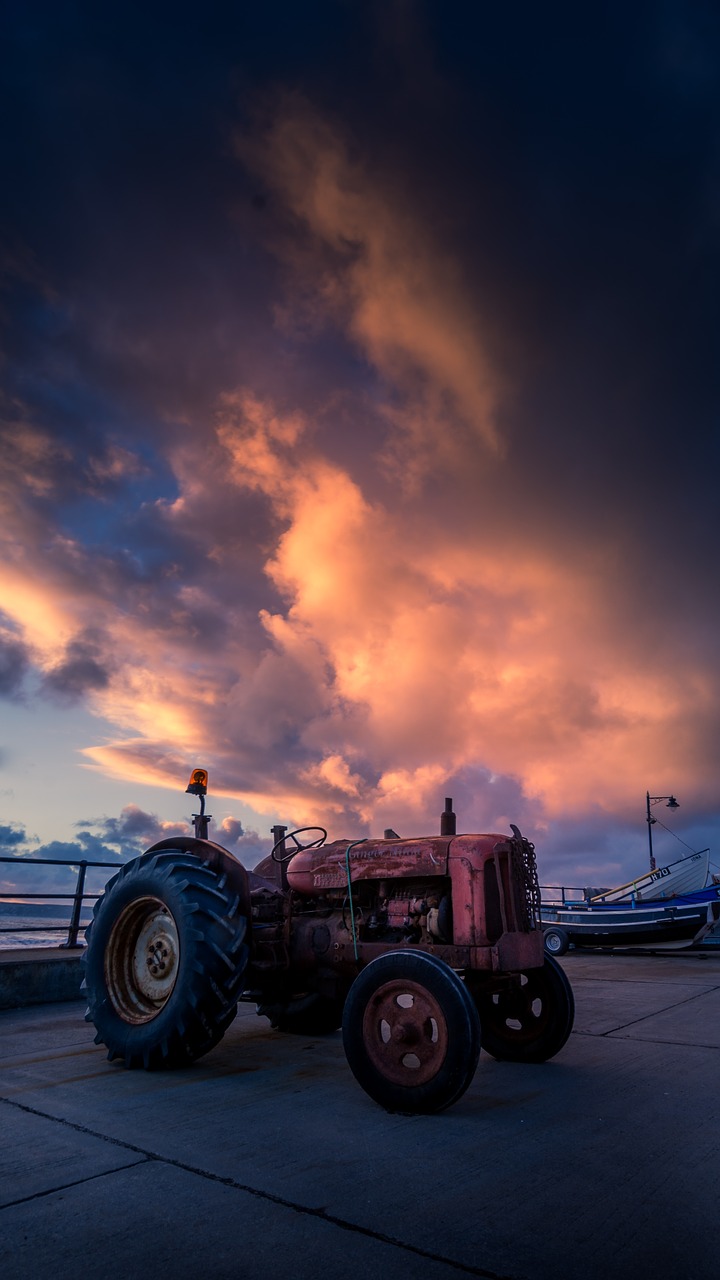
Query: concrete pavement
x=266 y=1159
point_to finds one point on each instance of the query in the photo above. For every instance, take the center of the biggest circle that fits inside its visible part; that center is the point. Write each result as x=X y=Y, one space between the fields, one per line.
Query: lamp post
x=671 y=804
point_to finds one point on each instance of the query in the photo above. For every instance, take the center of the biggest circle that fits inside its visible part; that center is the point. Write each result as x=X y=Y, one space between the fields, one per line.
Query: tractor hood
x=316 y=870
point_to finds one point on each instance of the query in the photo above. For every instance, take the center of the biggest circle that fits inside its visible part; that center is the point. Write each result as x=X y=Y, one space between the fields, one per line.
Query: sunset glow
x=365 y=459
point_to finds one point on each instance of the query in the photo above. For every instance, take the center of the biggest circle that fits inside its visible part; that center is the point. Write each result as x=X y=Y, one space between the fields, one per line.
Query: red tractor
x=417 y=948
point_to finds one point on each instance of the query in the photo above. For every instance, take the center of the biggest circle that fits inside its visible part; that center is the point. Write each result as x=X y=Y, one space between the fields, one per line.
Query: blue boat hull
x=681 y=922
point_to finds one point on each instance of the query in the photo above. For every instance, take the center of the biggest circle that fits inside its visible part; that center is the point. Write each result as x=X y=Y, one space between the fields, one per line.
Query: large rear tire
x=530 y=1021
x=165 y=960
x=411 y=1032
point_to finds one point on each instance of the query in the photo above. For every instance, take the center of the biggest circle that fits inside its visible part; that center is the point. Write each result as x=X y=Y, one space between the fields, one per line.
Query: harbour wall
x=47 y=975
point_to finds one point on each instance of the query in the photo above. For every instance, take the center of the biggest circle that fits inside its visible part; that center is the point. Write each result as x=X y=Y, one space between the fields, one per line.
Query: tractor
x=420 y=949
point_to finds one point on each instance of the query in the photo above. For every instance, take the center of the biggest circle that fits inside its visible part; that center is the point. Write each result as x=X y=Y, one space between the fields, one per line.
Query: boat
x=708 y=894
x=660 y=925
x=687 y=875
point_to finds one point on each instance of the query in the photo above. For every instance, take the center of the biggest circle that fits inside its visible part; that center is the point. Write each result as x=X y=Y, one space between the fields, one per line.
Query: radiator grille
x=512 y=893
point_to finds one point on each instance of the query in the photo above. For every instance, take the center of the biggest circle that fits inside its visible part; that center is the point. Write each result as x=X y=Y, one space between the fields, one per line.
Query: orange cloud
x=456 y=653
x=401 y=635
x=408 y=649
x=400 y=296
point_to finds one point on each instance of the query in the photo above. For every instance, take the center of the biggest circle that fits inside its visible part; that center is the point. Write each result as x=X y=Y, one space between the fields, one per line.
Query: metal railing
x=561 y=898
x=77 y=897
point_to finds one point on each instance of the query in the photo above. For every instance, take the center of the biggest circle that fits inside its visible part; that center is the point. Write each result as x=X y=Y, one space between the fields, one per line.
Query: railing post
x=77 y=908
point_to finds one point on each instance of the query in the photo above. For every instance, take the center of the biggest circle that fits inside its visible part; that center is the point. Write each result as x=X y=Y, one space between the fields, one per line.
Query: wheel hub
x=142 y=959
x=405 y=1033
x=155 y=956
x=522 y=1010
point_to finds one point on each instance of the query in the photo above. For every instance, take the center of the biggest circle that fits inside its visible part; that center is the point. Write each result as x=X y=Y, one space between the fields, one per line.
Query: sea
x=38 y=924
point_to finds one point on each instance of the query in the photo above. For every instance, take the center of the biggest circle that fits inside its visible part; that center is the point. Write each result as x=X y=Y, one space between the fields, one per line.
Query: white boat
x=655 y=925
x=687 y=875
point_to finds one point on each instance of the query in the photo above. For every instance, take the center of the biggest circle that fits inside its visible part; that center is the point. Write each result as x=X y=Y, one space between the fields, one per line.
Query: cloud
x=109 y=840
x=11 y=836
x=14 y=666
x=81 y=670
x=248 y=846
x=232 y=830
x=133 y=829
x=24 y=875
x=405 y=655
x=274 y=504
x=372 y=265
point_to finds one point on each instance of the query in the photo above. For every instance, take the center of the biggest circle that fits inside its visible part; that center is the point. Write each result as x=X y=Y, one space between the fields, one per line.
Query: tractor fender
x=212 y=855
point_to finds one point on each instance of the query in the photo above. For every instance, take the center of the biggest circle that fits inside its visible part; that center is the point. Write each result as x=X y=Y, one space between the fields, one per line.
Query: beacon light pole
x=671 y=804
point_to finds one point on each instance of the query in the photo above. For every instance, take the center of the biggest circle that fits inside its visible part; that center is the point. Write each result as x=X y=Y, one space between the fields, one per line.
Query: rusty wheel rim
x=523 y=1011
x=405 y=1033
x=142 y=959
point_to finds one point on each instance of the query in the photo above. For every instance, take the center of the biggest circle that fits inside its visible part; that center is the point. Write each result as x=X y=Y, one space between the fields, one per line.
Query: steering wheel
x=293 y=835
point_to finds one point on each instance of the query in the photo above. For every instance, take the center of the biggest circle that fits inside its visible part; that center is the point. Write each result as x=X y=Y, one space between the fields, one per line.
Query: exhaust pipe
x=447 y=819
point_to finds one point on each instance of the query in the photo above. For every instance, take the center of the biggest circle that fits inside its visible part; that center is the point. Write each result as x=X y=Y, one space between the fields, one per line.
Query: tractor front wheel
x=164 y=963
x=531 y=1020
x=411 y=1032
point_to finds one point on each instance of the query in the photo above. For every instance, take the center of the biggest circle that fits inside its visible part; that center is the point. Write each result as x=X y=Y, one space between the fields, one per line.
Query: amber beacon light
x=198 y=784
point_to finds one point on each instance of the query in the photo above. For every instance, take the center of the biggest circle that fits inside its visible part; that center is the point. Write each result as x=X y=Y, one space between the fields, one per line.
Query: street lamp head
x=672 y=803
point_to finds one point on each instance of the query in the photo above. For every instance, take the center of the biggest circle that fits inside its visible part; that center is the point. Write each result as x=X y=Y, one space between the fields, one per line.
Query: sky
x=360 y=402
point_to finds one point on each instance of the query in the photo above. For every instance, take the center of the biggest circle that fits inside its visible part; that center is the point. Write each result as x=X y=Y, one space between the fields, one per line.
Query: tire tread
x=204 y=1002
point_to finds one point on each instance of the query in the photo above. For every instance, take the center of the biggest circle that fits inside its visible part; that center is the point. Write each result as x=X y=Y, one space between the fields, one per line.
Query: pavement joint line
x=668 y=982
x=226 y=1181
x=78 y=1182
x=634 y=1022
x=604 y=1035
x=682 y=1044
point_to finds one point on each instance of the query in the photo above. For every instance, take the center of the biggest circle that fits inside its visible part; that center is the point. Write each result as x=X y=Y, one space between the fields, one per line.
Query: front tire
x=531 y=1020
x=411 y=1032
x=164 y=963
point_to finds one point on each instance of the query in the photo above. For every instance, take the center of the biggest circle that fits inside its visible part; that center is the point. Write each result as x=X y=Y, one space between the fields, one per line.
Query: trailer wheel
x=529 y=1022
x=556 y=941
x=164 y=963
x=411 y=1032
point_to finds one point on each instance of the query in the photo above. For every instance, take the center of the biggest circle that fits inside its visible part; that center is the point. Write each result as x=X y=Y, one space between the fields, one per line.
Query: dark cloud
x=24 y=875
x=232 y=829
x=503 y=227
x=248 y=846
x=83 y=669
x=132 y=823
x=87 y=846
x=109 y=840
x=601 y=849
x=134 y=831
x=10 y=836
x=14 y=665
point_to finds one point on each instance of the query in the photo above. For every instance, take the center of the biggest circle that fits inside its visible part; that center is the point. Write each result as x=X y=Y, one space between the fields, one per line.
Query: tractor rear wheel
x=528 y=1022
x=411 y=1032
x=165 y=960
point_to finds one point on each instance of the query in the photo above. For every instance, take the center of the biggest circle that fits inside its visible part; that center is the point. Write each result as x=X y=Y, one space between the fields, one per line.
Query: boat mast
x=671 y=804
